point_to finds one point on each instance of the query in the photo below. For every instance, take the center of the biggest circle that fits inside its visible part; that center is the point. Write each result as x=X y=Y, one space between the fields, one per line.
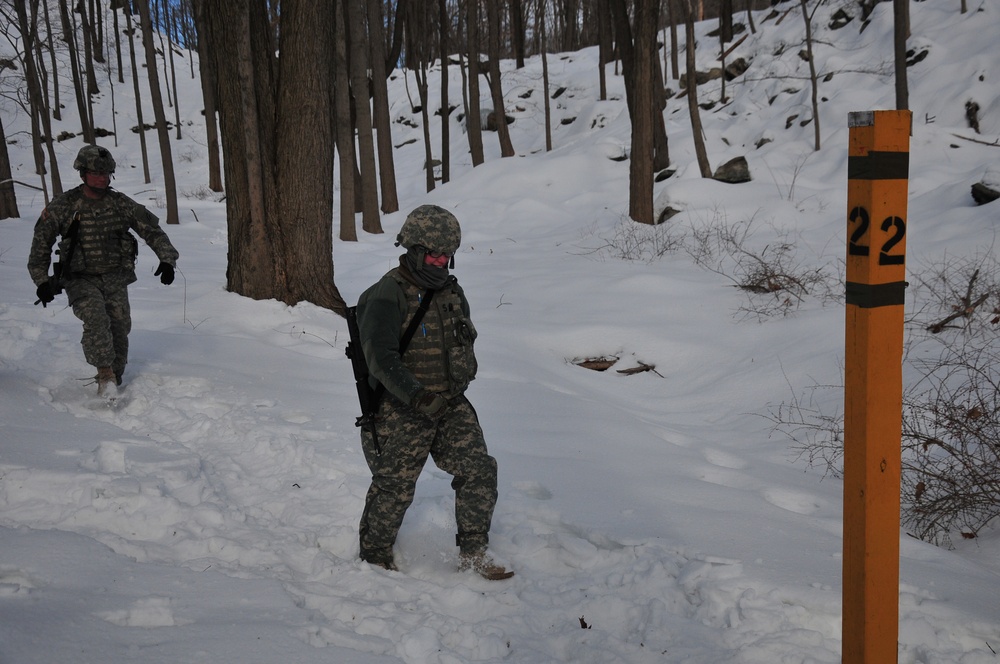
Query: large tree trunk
x=40 y=122
x=263 y=130
x=166 y=157
x=305 y=153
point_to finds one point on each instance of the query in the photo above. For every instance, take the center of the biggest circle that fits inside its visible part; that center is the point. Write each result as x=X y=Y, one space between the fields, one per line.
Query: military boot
x=106 y=381
x=483 y=565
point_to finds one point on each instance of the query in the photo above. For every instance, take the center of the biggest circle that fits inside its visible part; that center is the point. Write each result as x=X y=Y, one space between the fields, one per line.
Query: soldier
x=97 y=260
x=425 y=410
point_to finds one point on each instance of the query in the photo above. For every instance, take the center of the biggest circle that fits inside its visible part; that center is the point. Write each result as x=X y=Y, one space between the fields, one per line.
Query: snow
x=211 y=516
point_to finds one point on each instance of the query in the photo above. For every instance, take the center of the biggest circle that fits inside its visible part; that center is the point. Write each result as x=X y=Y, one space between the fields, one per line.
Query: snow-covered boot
x=106 y=381
x=483 y=565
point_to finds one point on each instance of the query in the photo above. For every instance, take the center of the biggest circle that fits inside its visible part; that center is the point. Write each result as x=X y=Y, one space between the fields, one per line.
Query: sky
x=210 y=514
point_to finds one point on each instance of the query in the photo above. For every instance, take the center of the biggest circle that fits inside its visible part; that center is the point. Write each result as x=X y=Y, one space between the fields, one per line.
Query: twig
x=995 y=144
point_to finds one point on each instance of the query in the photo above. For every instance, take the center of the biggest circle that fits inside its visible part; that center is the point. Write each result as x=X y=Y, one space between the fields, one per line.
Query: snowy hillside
x=656 y=517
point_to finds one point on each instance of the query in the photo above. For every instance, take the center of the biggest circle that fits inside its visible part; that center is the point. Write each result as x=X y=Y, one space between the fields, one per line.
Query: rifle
x=64 y=261
x=371 y=398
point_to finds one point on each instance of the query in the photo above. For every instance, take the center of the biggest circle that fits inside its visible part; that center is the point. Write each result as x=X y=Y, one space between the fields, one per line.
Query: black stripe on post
x=870 y=296
x=879 y=166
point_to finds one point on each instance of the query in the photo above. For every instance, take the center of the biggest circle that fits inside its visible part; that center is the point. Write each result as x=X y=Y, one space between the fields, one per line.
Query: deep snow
x=211 y=516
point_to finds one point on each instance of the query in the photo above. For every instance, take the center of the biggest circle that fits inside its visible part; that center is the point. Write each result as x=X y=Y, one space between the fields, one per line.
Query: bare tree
x=86 y=125
x=807 y=17
x=359 y=63
x=344 y=134
x=8 y=198
x=166 y=157
x=900 y=17
x=692 y=93
x=380 y=107
x=496 y=89
x=208 y=87
x=444 y=23
x=474 y=122
x=141 y=128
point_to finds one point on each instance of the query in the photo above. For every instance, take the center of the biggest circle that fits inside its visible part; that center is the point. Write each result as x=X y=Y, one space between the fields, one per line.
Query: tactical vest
x=103 y=242
x=441 y=354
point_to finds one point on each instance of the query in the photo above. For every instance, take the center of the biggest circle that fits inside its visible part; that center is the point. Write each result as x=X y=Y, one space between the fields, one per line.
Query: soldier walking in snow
x=424 y=411
x=97 y=260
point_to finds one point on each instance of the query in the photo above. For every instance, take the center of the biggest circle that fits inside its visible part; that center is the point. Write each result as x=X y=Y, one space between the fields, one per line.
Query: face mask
x=426 y=275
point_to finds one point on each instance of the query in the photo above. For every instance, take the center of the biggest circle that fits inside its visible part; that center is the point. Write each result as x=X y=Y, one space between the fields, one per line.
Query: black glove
x=430 y=404
x=45 y=293
x=166 y=273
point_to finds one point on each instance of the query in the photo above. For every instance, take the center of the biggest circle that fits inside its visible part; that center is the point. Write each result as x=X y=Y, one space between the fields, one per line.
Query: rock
x=733 y=171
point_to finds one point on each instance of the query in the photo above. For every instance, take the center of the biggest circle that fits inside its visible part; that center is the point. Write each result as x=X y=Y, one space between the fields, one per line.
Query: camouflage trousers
x=101 y=302
x=406 y=437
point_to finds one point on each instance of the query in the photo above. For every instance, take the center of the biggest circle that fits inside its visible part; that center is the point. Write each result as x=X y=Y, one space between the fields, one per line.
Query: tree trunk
x=173 y=73
x=421 y=74
x=56 y=107
x=812 y=74
x=474 y=122
x=380 y=106
x=496 y=88
x=641 y=159
x=244 y=63
x=169 y=183
x=138 y=98
x=208 y=91
x=345 y=128
x=692 y=94
x=675 y=70
x=40 y=123
x=8 y=198
x=543 y=43
x=517 y=32
x=305 y=153
x=86 y=127
x=443 y=25
x=357 y=36
x=900 y=15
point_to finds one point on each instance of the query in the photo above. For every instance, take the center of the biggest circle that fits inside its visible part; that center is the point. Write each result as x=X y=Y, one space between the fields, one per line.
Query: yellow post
x=878 y=168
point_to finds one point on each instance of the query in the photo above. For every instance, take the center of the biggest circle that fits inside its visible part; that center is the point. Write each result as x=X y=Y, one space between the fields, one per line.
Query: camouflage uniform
x=439 y=360
x=102 y=267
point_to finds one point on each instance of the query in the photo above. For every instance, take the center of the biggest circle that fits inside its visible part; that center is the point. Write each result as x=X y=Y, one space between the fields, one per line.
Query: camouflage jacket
x=440 y=357
x=103 y=242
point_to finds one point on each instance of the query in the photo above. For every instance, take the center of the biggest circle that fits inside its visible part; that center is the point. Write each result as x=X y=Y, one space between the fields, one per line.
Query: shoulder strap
x=425 y=303
x=404 y=341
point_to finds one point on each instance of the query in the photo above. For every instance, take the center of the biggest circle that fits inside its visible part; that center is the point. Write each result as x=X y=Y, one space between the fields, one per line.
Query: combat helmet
x=433 y=228
x=94 y=158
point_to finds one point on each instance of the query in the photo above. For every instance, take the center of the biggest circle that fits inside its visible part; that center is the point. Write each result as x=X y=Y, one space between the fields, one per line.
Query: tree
x=474 y=122
x=443 y=24
x=496 y=89
x=208 y=96
x=344 y=129
x=87 y=127
x=380 y=107
x=807 y=17
x=900 y=19
x=641 y=161
x=358 y=63
x=138 y=98
x=166 y=157
x=275 y=119
x=8 y=199
x=692 y=93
